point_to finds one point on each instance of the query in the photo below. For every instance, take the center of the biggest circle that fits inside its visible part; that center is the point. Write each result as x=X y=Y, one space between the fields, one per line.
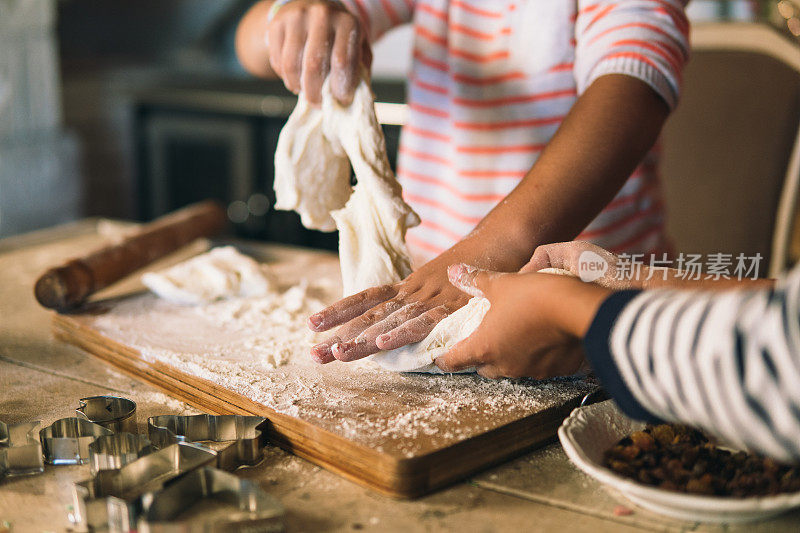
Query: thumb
x=546 y=256
x=461 y=356
x=472 y=280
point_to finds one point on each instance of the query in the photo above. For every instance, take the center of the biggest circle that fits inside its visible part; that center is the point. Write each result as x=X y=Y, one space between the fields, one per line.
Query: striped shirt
x=726 y=362
x=492 y=81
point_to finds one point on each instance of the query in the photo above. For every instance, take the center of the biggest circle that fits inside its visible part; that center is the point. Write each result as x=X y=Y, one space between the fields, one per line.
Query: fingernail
x=314 y=321
x=339 y=349
x=320 y=352
x=383 y=339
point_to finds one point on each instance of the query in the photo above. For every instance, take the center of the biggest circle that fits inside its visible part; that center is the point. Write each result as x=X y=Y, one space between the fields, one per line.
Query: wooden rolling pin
x=67 y=286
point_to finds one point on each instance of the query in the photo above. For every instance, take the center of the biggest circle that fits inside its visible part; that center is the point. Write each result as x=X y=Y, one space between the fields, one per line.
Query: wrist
x=575 y=304
x=485 y=247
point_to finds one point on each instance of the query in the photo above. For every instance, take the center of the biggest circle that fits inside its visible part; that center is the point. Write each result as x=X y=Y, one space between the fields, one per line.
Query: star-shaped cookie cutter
x=112 y=499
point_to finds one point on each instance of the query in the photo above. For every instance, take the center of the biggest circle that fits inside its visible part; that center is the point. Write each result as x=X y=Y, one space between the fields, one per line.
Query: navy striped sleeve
x=598 y=351
x=726 y=362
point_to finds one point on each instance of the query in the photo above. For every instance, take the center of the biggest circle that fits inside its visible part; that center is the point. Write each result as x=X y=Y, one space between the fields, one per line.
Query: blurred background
x=129 y=109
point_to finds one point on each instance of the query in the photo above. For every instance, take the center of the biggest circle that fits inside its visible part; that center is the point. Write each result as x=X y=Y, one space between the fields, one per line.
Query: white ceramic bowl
x=591 y=430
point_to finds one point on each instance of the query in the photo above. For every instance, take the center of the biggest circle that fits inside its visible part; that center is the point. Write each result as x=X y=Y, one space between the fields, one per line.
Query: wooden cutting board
x=400 y=434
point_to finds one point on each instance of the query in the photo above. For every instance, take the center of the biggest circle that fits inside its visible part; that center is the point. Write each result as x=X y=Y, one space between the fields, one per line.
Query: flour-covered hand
x=308 y=39
x=533 y=328
x=568 y=256
x=387 y=317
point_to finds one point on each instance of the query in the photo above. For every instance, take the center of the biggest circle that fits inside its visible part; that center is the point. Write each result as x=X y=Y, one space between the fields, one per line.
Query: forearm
x=574 y=305
x=675 y=279
x=381 y=16
x=605 y=135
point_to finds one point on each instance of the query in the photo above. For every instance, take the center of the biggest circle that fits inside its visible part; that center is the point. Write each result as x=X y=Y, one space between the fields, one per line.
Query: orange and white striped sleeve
x=646 y=39
x=379 y=16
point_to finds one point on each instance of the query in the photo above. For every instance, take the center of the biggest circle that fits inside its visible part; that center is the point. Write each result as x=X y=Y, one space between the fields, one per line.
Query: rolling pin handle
x=64 y=287
x=69 y=285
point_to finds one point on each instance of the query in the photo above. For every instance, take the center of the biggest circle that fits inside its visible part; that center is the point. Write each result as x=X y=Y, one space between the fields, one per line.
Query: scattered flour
x=258 y=347
x=161 y=399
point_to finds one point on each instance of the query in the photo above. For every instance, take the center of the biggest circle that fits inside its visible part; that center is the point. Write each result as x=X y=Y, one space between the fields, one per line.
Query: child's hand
x=533 y=328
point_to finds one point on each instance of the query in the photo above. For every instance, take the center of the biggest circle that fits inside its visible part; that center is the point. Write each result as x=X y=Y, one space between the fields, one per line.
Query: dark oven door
x=187 y=154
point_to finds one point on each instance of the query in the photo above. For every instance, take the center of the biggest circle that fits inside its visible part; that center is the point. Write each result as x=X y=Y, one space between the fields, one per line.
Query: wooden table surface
x=42 y=379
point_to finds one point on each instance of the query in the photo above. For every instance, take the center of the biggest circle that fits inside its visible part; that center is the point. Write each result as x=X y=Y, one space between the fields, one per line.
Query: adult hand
x=306 y=41
x=568 y=255
x=533 y=328
x=620 y=276
x=389 y=316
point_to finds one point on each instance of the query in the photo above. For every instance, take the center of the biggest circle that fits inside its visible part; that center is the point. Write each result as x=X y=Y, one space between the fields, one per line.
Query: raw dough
x=219 y=274
x=420 y=357
x=312 y=177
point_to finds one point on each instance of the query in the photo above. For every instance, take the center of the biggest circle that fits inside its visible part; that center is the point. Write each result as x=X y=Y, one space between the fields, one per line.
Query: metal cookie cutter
x=112 y=412
x=257 y=510
x=66 y=441
x=111 y=452
x=20 y=451
x=248 y=434
x=112 y=499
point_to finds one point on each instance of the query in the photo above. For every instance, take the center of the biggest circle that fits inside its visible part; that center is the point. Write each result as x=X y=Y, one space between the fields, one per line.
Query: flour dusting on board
x=259 y=347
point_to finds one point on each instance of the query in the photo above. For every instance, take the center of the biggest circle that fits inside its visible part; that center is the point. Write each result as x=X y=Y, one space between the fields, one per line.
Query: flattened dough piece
x=218 y=274
x=419 y=357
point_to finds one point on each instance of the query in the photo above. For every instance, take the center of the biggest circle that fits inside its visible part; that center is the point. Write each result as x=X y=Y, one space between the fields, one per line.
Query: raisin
x=664 y=434
x=697 y=486
x=680 y=458
x=644 y=441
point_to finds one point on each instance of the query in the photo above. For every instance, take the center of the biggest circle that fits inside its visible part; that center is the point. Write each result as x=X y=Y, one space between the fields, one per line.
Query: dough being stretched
x=312 y=177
